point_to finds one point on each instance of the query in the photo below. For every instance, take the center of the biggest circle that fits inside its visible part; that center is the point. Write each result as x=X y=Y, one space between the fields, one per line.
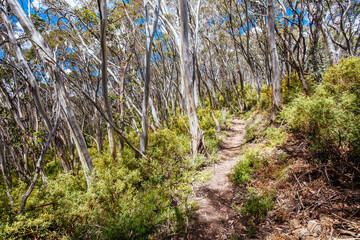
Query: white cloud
x=19 y=27
x=19 y=31
x=37 y=4
x=73 y=3
x=26 y=45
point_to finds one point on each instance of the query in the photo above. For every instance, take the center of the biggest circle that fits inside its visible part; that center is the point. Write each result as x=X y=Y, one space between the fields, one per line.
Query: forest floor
x=308 y=203
x=215 y=215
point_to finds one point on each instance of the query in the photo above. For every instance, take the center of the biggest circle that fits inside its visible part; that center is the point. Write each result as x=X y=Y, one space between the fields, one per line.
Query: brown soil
x=309 y=204
x=216 y=216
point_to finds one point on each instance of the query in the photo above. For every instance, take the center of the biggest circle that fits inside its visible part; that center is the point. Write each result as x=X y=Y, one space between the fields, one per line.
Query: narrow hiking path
x=215 y=217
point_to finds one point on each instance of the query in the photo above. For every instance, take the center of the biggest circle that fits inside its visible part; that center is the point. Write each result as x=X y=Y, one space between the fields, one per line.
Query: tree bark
x=197 y=136
x=38 y=165
x=150 y=33
x=104 y=83
x=329 y=43
x=276 y=81
x=34 y=89
x=63 y=96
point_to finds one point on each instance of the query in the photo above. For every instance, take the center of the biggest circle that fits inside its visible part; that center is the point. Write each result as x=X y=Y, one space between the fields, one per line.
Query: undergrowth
x=261 y=140
x=326 y=119
x=330 y=120
x=132 y=198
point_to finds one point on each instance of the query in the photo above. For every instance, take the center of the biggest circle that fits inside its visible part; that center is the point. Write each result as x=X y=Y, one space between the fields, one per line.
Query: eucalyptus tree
x=34 y=89
x=296 y=46
x=104 y=83
x=197 y=137
x=276 y=80
x=150 y=30
x=56 y=75
x=341 y=25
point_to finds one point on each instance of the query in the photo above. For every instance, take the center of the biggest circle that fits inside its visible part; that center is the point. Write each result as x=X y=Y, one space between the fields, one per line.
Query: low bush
x=256 y=205
x=132 y=198
x=331 y=119
x=248 y=163
x=255 y=208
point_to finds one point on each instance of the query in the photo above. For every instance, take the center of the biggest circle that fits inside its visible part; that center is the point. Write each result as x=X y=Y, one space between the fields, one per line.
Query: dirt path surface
x=214 y=218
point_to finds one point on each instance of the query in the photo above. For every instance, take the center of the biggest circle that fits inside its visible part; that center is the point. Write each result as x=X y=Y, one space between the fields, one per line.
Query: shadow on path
x=216 y=216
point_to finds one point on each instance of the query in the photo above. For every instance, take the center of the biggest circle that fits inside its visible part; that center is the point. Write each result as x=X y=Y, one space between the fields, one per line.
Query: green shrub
x=291 y=86
x=250 y=96
x=255 y=208
x=275 y=137
x=248 y=162
x=344 y=77
x=257 y=205
x=265 y=97
x=132 y=198
x=331 y=116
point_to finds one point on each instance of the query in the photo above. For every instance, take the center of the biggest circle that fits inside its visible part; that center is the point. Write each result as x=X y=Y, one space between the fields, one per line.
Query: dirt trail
x=214 y=218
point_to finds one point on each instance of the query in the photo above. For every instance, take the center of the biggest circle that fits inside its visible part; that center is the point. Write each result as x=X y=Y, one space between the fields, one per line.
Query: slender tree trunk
x=34 y=89
x=38 y=166
x=276 y=81
x=195 y=82
x=197 y=137
x=104 y=83
x=233 y=84
x=3 y=167
x=329 y=43
x=7 y=178
x=154 y=113
x=122 y=102
x=49 y=61
x=150 y=33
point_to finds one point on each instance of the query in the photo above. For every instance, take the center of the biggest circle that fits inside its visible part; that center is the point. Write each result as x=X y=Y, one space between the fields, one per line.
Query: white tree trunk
x=329 y=43
x=34 y=88
x=104 y=82
x=197 y=140
x=276 y=81
x=49 y=60
x=150 y=33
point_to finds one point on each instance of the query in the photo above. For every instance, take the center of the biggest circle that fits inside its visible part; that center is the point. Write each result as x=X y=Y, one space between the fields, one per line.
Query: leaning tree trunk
x=63 y=96
x=7 y=178
x=34 y=89
x=197 y=136
x=38 y=165
x=104 y=82
x=276 y=81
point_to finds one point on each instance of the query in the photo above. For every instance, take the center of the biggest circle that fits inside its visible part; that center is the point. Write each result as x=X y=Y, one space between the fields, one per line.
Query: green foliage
x=257 y=205
x=250 y=96
x=265 y=98
x=88 y=16
x=255 y=129
x=275 y=137
x=290 y=87
x=250 y=133
x=132 y=198
x=344 y=79
x=248 y=163
x=331 y=116
x=255 y=208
